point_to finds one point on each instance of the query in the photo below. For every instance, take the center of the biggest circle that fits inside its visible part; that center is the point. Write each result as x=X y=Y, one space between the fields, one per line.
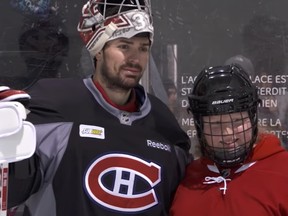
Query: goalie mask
x=105 y=20
x=224 y=106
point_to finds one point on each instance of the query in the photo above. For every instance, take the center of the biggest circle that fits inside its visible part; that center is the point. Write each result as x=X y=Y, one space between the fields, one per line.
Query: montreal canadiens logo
x=124 y=173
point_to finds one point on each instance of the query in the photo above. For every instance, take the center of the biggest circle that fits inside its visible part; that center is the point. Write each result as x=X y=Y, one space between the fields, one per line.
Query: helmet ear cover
x=223 y=90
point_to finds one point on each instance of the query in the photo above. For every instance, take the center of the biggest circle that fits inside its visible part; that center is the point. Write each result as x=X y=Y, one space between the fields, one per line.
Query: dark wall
x=39 y=39
x=208 y=32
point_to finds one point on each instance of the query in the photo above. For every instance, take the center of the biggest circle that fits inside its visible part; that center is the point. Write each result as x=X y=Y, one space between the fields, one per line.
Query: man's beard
x=115 y=81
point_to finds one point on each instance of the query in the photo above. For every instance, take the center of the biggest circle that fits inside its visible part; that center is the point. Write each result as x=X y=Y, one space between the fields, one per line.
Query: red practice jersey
x=258 y=187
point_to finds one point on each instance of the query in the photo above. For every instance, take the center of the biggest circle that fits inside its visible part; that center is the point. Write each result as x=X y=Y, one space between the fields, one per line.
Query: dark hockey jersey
x=97 y=160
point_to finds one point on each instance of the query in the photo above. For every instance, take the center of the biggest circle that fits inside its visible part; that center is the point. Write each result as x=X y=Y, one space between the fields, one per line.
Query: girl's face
x=228 y=131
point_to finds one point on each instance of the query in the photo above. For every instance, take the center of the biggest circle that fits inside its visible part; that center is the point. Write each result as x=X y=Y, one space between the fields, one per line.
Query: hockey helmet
x=224 y=90
x=105 y=20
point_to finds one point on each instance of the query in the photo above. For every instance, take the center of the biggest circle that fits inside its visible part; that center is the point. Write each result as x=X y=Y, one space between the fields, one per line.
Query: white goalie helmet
x=105 y=20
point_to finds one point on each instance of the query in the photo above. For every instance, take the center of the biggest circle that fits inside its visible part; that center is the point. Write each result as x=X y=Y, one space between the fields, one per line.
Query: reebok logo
x=158 y=145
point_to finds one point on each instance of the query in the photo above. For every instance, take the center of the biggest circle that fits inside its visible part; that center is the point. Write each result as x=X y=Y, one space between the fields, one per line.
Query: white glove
x=17 y=136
